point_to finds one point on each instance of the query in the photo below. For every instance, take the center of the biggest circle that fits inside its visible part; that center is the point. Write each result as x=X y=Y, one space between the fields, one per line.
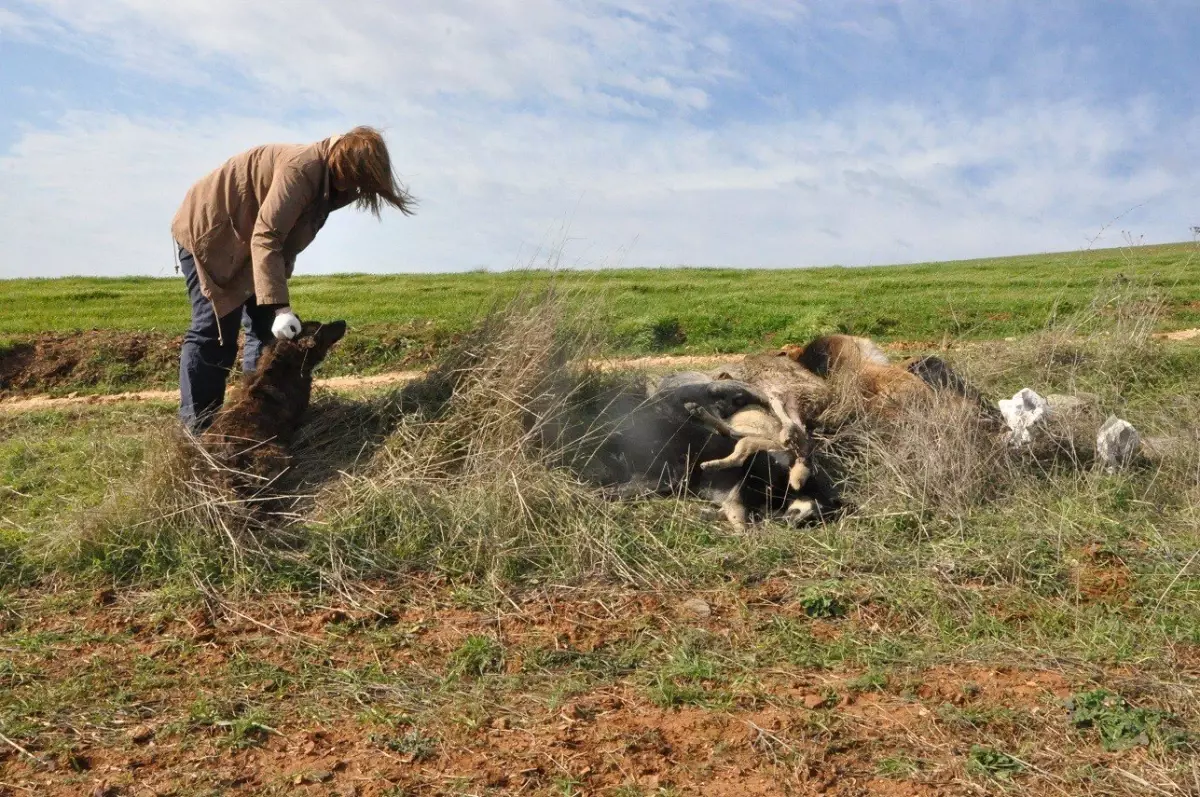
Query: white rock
x=1116 y=443
x=1021 y=413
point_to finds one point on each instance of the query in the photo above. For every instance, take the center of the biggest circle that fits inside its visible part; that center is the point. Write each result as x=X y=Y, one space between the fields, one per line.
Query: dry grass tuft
x=496 y=477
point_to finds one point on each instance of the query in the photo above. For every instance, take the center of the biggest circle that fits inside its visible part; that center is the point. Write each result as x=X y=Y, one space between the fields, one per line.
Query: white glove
x=286 y=326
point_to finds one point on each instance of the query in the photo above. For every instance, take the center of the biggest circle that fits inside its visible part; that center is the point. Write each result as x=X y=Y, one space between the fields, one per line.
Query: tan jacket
x=246 y=221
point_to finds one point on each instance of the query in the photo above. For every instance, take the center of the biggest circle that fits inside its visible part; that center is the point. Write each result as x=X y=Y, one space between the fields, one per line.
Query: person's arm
x=289 y=194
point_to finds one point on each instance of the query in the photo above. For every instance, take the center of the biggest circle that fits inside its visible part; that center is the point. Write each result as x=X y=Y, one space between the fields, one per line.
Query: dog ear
x=792 y=351
x=331 y=333
x=322 y=338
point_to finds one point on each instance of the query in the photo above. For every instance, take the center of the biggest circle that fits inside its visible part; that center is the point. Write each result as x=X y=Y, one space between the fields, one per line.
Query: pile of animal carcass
x=745 y=436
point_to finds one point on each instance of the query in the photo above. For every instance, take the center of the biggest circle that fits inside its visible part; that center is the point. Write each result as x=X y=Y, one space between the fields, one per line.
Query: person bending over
x=237 y=235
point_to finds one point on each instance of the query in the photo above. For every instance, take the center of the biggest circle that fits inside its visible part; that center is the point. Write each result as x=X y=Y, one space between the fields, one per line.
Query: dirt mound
x=97 y=358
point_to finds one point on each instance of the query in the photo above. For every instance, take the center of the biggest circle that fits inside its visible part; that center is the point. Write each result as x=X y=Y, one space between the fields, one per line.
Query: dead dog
x=657 y=441
x=669 y=442
x=863 y=368
x=755 y=431
x=250 y=437
x=796 y=396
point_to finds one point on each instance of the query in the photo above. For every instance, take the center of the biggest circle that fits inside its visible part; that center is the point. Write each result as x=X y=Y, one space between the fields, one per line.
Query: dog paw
x=798 y=476
x=800 y=510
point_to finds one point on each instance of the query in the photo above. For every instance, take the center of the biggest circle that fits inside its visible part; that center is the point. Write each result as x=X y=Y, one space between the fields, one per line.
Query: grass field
x=456 y=613
x=714 y=309
x=131 y=326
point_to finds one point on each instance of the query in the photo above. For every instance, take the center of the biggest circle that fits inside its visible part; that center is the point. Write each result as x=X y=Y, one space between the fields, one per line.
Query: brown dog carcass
x=861 y=366
x=250 y=436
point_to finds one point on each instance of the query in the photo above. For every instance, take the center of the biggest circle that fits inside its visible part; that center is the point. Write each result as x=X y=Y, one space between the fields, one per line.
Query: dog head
x=793 y=351
x=305 y=351
x=316 y=339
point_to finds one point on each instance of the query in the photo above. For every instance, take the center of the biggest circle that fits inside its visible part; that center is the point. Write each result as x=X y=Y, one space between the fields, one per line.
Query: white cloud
x=348 y=55
x=869 y=185
x=510 y=119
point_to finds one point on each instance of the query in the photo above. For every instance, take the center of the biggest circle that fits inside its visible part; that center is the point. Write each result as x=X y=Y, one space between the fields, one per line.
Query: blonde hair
x=360 y=159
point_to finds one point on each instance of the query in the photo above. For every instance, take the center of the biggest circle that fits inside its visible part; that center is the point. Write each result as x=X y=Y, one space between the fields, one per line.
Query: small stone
x=141 y=734
x=1064 y=406
x=333 y=616
x=501 y=724
x=697 y=607
x=814 y=702
x=1117 y=443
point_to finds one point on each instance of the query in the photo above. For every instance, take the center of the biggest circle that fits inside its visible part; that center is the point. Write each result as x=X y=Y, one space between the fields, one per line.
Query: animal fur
x=724 y=396
x=796 y=395
x=864 y=368
x=663 y=447
x=250 y=436
x=756 y=430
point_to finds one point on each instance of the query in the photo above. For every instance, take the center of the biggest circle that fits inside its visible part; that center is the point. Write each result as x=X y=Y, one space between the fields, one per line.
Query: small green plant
x=993 y=763
x=897 y=767
x=1121 y=725
x=244 y=726
x=823 y=604
x=413 y=743
x=567 y=786
x=870 y=681
x=476 y=656
x=668 y=693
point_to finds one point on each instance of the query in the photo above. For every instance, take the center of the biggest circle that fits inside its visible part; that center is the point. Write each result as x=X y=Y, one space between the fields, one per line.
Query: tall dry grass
x=491 y=468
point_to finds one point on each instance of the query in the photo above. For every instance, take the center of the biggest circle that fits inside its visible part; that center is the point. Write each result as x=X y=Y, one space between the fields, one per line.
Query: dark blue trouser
x=210 y=348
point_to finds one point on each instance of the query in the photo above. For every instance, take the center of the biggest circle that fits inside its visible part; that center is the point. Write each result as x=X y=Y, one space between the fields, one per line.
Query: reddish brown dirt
x=85 y=359
x=1102 y=575
x=784 y=730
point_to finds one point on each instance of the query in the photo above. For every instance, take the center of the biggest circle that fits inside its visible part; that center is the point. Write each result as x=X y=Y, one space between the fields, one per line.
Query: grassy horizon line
x=302 y=275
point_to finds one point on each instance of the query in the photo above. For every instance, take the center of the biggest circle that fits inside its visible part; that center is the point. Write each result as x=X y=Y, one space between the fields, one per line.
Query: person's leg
x=257 y=323
x=205 y=360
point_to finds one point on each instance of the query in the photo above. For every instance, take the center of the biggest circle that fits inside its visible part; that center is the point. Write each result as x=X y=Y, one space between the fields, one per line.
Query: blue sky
x=615 y=133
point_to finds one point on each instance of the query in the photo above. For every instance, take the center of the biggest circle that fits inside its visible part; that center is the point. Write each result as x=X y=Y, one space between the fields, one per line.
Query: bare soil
x=327 y=672
x=91 y=358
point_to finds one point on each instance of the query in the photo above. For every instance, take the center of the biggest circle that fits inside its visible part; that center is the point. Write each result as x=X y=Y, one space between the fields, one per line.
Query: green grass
x=400 y=322
x=673 y=309
x=470 y=534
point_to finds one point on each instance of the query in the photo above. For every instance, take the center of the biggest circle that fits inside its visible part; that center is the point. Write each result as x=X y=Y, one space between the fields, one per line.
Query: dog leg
x=791 y=428
x=745 y=448
x=706 y=417
x=798 y=474
x=735 y=510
